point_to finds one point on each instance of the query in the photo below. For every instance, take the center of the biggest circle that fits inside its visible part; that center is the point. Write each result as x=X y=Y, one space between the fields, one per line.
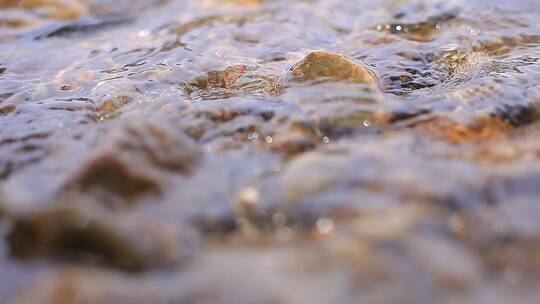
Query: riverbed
x=259 y=151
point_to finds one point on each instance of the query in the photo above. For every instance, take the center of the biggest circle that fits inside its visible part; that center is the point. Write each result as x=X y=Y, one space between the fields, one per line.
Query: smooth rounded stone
x=131 y=163
x=336 y=96
x=89 y=234
x=312 y=173
x=325 y=67
x=293 y=144
x=389 y=224
x=450 y=264
x=337 y=119
x=518 y=145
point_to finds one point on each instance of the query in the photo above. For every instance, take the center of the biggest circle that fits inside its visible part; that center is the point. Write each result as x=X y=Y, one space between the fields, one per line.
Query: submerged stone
x=110 y=107
x=128 y=164
x=325 y=67
x=231 y=81
x=4 y=110
x=110 y=173
x=218 y=84
x=422 y=31
x=312 y=173
x=88 y=234
x=484 y=128
x=56 y=9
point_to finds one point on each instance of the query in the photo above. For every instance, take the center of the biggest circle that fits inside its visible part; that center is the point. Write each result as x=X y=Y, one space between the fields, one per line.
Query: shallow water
x=252 y=151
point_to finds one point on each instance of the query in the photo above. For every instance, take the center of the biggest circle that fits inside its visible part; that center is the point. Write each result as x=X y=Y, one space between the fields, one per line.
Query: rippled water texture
x=253 y=151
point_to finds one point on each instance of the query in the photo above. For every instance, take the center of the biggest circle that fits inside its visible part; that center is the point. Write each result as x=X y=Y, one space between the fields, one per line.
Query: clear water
x=420 y=189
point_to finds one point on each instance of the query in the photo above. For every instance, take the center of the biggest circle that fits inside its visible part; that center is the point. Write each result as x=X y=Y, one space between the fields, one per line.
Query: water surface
x=252 y=151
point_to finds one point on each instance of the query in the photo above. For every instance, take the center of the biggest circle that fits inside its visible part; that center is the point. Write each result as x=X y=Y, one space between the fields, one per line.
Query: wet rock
x=291 y=145
x=484 y=128
x=451 y=265
x=412 y=71
x=304 y=175
x=130 y=162
x=85 y=285
x=386 y=246
x=110 y=107
x=219 y=83
x=82 y=233
x=325 y=67
x=389 y=224
x=506 y=235
x=220 y=79
x=519 y=145
x=421 y=31
x=110 y=173
x=453 y=61
x=56 y=9
x=4 y=110
x=80 y=28
x=165 y=147
x=519 y=115
x=5 y=96
x=248 y=3
x=259 y=84
x=221 y=276
x=230 y=82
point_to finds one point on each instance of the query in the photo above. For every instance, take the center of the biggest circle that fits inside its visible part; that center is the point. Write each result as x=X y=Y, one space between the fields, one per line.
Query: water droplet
x=253 y=136
x=325 y=225
x=249 y=196
x=143 y=34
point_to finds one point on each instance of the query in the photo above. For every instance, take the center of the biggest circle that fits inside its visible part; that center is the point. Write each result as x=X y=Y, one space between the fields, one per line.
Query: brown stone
x=89 y=234
x=325 y=67
x=131 y=163
x=484 y=128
